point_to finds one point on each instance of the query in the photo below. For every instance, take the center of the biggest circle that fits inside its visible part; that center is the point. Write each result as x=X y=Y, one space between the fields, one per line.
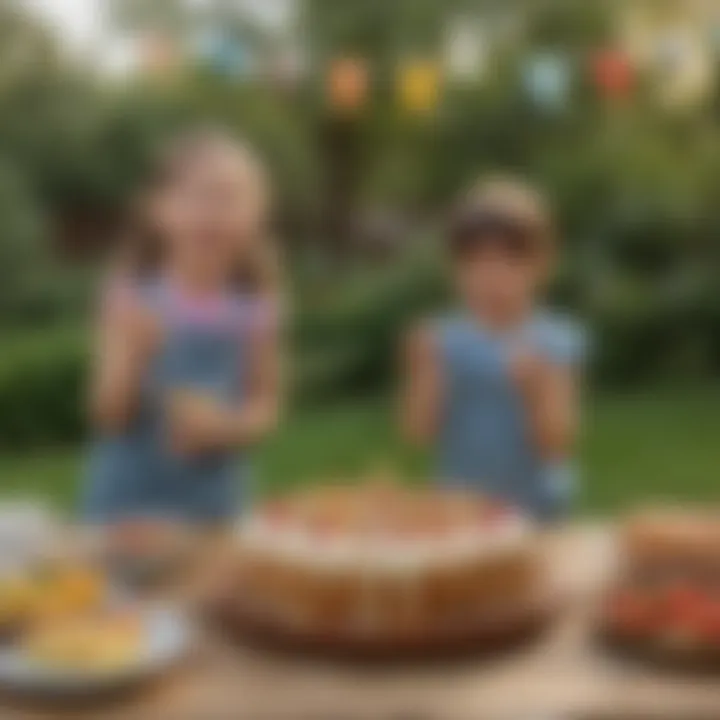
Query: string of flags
x=547 y=77
x=682 y=68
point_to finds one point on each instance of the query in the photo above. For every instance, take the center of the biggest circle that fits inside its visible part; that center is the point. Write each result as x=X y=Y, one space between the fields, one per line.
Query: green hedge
x=42 y=379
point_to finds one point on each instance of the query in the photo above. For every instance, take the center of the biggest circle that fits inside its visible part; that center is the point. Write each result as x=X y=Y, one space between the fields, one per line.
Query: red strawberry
x=684 y=599
x=632 y=612
x=710 y=622
x=686 y=609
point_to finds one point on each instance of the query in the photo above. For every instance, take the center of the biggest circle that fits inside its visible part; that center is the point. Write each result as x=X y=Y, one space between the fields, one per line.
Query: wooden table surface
x=561 y=675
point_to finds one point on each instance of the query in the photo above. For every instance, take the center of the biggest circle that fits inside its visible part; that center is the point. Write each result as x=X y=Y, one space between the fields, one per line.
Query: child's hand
x=128 y=335
x=528 y=371
x=143 y=334
x=130 y=327
x=197 y=423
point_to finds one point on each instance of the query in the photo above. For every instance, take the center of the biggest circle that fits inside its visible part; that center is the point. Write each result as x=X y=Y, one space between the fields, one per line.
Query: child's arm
x=260 y=411
x=553 y=412
x=126 y=337
x=422 y=392
x=200 y=424
x=550 y=391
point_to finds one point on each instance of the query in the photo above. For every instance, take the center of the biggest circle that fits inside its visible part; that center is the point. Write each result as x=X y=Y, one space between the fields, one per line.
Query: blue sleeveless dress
x=485 y=441
x=135 y=472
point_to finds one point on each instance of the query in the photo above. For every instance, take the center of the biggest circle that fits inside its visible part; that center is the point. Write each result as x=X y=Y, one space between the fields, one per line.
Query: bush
x=351 y=347
x=42 y=381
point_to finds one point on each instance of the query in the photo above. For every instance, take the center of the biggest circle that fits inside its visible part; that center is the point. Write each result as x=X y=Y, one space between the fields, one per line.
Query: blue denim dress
x=136 y=472
x=485 y=439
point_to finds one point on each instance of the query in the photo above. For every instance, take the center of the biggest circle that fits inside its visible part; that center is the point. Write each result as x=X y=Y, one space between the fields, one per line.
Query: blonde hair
x=508 y=200
x=259 y=270
x=515 y=197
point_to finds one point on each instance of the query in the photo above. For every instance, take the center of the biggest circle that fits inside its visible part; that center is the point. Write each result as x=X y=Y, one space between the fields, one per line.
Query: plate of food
x=47 y=590
x=664 y=606
x=103 y=651
x=675 y=623
x=65 y=628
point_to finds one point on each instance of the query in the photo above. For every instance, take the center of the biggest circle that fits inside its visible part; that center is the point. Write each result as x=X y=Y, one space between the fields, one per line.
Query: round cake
x=386 y=562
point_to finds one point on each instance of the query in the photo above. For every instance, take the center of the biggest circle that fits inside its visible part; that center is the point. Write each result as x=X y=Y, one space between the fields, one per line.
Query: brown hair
x=505 y=206
x=140 y=254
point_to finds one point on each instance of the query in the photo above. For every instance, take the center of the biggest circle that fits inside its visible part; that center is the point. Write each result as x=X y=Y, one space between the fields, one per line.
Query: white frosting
x=292 y=543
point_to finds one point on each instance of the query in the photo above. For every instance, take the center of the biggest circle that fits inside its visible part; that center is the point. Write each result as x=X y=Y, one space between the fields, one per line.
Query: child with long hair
x=494 y=387
x=186 y=372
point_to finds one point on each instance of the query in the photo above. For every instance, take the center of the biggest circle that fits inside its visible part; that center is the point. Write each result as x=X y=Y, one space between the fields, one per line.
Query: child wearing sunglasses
x=493 y=387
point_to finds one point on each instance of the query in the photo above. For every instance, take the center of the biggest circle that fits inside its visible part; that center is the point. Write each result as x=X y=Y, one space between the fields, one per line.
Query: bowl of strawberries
x=665 y=604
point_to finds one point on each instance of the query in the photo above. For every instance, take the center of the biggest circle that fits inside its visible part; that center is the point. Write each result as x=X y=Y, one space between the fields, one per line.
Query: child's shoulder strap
x=448 y=329
x=255 y=313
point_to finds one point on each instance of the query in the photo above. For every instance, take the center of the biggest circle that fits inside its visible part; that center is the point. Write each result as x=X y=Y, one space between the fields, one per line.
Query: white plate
x=166 y=638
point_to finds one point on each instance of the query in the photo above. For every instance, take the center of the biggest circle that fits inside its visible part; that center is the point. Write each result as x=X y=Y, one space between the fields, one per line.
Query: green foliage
x=352 y=345
x=41 y=388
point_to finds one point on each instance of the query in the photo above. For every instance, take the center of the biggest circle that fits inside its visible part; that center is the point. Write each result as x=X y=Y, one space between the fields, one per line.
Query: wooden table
x=563 y=675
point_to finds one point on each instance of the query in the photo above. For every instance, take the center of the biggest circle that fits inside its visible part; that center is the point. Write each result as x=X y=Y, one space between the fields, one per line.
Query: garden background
x=372 y=115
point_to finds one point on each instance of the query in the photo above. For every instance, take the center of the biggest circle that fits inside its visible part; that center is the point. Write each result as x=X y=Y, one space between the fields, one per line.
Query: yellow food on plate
x=53 y=591
x=67 y=590
x=16 y=600
x=99 y=643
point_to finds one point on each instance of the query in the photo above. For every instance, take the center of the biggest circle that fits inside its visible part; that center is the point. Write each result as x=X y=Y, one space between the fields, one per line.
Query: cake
x=384 y=561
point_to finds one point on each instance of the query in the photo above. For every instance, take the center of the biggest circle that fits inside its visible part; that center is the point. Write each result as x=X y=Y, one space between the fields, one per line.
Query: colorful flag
x=159 y=55
x=288 y=67
x=348 y=84
x=668 y=54
x=547 y=80
x=690 y=76
x=465 y=50
x=224 y=54
x=419 y=85
x=613 y=74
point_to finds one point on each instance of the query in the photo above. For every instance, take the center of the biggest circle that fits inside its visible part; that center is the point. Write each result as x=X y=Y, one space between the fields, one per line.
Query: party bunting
x=159 y=55
x=465 y=51
x=668 y=54
x=288 y=68
x=419 y=85
x=691 y=76
x=613 y=74
x=348 y=84
x=224 y=54
x=547 y=80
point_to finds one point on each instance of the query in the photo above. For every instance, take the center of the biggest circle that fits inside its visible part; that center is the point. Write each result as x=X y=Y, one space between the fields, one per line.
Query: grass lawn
x=658 y=443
